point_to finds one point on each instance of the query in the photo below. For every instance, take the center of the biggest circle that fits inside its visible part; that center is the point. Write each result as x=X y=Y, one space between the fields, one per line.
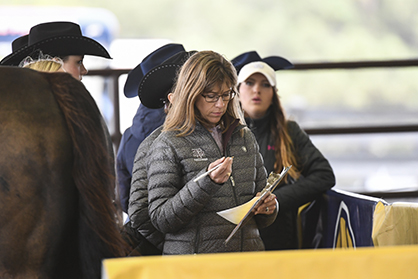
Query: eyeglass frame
x=231 y=95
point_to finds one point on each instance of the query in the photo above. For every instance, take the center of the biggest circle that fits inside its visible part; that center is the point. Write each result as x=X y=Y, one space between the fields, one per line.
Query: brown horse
x=58 y=214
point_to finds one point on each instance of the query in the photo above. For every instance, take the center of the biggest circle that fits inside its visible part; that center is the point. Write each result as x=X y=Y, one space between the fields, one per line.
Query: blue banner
x=338 y=219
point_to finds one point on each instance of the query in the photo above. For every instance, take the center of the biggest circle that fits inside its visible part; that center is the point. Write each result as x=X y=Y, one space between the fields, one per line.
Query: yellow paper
x=235 y=214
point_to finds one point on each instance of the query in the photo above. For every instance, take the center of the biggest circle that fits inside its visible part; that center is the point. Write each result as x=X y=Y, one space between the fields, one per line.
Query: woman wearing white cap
x=282 y=142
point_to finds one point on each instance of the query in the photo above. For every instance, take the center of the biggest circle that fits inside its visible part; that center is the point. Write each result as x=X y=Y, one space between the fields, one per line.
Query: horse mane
x=93 y=171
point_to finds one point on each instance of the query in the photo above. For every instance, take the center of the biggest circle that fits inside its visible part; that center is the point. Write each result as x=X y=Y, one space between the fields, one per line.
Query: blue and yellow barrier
x=341 y=219
x=377 y=232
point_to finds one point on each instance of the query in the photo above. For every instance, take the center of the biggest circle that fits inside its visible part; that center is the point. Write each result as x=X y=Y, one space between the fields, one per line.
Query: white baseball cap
x=257 y=67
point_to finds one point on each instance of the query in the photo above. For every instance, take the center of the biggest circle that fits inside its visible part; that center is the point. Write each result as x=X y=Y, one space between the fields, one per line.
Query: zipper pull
x=232 y=181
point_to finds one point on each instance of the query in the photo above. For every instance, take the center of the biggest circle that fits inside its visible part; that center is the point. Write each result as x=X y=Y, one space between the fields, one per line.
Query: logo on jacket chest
x=199 y=154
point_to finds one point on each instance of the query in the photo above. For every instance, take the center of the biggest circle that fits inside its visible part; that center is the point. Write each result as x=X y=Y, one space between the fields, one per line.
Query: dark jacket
x=317 y=176
x=184 y=210
x=145 y=121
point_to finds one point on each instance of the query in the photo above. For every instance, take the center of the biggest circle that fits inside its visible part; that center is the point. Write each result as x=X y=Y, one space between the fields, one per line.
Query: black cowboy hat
x=152 y=60
x=276 y=62
x=20 y=42
x=55 y=39
x=158 y=82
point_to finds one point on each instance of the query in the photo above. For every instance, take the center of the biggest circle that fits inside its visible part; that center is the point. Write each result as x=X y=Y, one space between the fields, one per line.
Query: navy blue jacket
x=144 y=122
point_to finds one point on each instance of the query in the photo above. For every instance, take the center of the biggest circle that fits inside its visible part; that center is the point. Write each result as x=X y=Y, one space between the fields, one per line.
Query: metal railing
x=114 y=74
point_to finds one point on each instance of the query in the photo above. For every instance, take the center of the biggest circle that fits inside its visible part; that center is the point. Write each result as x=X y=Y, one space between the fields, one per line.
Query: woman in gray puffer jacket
x=203 y=128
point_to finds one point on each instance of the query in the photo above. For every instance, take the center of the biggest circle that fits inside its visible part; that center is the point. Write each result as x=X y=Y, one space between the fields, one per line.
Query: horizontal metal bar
x=356 y=64
x=362 y=130
x=108 y=72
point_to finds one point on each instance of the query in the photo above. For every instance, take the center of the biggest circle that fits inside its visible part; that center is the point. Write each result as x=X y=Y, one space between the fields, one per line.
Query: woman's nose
x=84 y=71
x=220 y=102
x=256 y=88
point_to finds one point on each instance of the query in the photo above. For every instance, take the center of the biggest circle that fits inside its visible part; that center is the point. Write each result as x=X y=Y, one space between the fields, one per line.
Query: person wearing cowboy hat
x=282 y=143
x=145 y=120
x=57 y=39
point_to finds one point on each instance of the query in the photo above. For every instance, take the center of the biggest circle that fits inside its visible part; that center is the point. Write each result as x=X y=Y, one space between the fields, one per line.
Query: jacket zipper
x=196 y=245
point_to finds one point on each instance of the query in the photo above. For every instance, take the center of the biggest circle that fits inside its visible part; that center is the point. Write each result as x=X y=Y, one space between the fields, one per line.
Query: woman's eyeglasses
x=213 y=98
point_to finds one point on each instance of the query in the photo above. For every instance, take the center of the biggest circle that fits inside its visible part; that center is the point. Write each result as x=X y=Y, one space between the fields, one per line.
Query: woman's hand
x=267 y=205
x=223 y=172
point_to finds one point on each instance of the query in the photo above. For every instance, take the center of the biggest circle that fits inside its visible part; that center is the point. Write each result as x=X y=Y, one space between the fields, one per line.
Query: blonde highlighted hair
x=45 y=66
x=44 y=63
x=202 y=72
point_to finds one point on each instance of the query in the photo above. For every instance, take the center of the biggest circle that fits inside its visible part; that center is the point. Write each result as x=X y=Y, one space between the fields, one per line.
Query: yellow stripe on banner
x=344 y=237
x=381 y=262
x=299 y=223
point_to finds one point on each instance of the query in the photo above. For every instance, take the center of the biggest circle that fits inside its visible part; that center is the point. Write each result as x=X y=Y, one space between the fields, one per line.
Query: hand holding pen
x=219 y=171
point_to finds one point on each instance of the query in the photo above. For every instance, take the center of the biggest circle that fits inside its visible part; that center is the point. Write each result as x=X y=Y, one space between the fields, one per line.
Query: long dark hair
x=93 y=173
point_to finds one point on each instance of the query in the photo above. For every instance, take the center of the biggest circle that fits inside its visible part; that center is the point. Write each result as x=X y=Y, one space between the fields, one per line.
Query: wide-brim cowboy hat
x=152 y=60
x=17 y=45
x=276 y=62
x=56 y=39
x=158 y=82
x=20 y=42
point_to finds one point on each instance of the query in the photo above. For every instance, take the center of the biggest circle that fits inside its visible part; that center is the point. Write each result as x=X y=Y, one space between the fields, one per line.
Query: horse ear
x=278 y=63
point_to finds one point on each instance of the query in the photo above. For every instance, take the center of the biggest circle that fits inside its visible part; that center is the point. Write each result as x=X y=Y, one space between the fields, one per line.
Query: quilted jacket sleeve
x=138 y=201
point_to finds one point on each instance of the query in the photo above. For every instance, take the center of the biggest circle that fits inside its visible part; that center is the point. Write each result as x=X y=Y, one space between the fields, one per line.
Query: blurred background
x=301 y=31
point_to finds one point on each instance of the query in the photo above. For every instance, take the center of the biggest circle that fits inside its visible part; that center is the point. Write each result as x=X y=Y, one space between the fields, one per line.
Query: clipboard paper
x=239 y=215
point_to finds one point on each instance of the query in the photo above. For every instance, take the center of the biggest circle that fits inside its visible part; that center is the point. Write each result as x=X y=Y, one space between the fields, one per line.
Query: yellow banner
x=368 y=262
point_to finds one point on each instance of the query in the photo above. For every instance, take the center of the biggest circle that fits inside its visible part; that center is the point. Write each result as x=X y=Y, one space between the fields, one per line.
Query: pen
x=208 y=172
